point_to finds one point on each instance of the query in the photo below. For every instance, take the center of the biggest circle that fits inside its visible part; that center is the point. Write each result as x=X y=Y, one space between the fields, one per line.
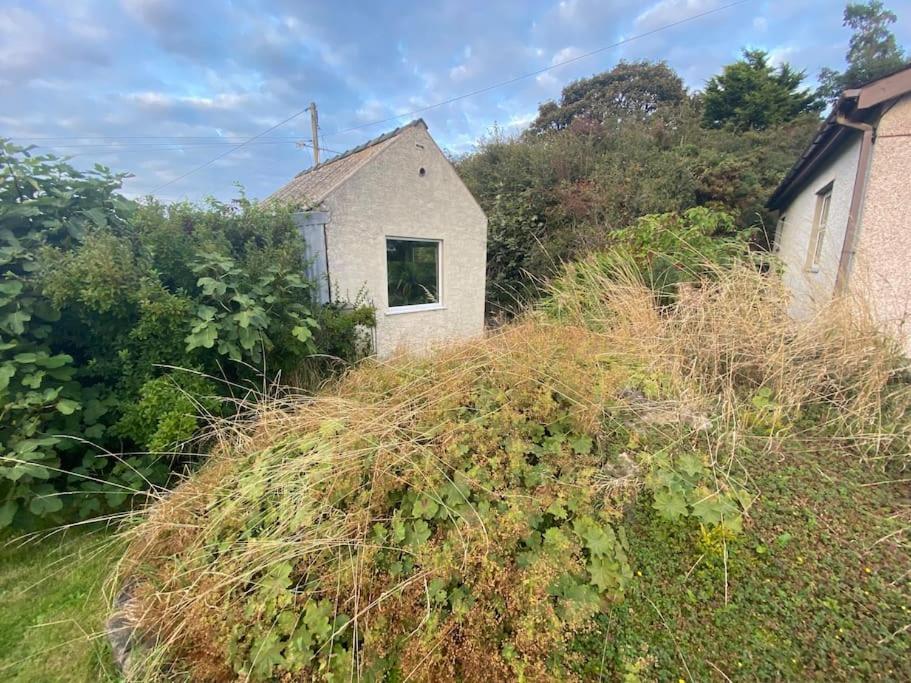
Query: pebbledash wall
x=811 y=287
x=390 y=197
x=881 y=270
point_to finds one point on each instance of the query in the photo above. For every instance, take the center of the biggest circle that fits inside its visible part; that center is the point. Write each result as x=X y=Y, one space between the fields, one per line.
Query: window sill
x=398 y=310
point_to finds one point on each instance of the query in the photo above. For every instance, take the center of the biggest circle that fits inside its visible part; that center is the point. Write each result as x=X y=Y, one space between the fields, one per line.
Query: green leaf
x=244 y=318
x=68 y=406
x=316 y=619
x=206 y=313
x=670 y=504
x=211 y=286
x=14 y=322
x=581 y=444
x=598 y=539
x=8 y=512
x=45 y=505
x=33 y=379
x=711 y=507
x=398 y=530
x=555 y=539
x=424 y=507
x=301 y=333
x=604 y=574
x=557 y=510
x=115 y=499
x=7 y=370
x=690 y=464
x=265 y=653
x=204 y=337
x=97 y=216
x=11 y=288
x=54 y=362
x=418 y=533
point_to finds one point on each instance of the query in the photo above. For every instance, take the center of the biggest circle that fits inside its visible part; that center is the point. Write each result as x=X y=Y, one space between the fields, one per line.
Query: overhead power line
x=473 y=93
x=226 y=138
x=159 y=145
x=229 y=151
x=538 y=72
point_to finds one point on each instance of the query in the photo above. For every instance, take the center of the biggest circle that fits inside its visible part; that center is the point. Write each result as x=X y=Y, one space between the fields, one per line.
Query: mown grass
x=52 y=608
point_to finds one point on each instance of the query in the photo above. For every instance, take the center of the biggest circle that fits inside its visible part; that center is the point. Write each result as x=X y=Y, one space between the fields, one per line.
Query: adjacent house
x=845 y=207
x=392 y=222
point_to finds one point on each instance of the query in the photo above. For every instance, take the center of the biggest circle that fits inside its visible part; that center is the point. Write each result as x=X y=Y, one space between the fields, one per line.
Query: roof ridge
x=360 y=148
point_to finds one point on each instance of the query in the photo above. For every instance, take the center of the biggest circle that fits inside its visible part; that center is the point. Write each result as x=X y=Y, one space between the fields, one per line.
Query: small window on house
x=413 y=273
x=820 y=224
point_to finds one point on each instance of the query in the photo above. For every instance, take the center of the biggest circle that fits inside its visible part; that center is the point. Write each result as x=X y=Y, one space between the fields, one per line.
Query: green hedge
x=122 y=322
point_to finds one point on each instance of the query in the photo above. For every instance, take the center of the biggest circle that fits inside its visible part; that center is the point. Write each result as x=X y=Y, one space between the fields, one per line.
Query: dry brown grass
x=733 y=335
x=310 y=476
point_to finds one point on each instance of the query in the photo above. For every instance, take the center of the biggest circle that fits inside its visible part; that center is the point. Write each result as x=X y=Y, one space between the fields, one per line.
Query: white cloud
x=162 y=100
x=459 y=72
x=372 y=110
x=548 y=79
x=760 y=24
x=521 y=121
x=667 y=12
x=781 y=54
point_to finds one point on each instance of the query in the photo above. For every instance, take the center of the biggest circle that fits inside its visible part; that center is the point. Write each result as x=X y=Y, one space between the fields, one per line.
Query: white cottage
x=391 y=220
x=844 y=223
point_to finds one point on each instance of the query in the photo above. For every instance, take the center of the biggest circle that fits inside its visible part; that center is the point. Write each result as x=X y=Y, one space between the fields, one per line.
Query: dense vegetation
x=506 y=509
x=617 y=147
x=872 y=51
x=632 y=141
x=123 y=324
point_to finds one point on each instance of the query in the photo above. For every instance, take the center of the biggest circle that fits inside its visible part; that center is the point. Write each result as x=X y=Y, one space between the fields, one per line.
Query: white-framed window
x=820 y=225
x=414 y=274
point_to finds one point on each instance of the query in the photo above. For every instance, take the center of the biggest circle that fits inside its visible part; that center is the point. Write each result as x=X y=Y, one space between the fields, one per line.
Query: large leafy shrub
x=122 y=322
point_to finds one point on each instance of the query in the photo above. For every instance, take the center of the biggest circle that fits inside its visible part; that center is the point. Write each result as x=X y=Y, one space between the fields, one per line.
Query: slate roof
x=312 y=186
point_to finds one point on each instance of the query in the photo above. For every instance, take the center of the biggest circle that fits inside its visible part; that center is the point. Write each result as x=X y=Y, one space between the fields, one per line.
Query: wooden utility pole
x=314 y=129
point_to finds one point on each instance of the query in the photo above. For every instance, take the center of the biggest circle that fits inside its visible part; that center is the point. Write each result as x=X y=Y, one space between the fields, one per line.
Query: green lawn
x=817 y=585
x=52 y=608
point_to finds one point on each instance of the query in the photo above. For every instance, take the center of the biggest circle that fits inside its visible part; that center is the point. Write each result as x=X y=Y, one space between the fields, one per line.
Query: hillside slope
x=605 y=490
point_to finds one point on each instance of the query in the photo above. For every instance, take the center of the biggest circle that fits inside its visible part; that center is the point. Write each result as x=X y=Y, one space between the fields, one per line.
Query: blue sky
x=170 y=83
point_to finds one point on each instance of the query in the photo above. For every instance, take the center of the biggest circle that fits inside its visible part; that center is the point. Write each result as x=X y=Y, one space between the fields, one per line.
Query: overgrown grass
x=612 y=488
x=53 y=608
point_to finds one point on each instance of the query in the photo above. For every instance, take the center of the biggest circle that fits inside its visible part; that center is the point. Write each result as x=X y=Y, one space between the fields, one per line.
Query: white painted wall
x=811 y=288
x=388 y=197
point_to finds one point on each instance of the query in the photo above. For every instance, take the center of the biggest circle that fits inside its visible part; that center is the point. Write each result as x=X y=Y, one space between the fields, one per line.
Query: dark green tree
x=751 y=94
x=872 y=52
x=630 y=89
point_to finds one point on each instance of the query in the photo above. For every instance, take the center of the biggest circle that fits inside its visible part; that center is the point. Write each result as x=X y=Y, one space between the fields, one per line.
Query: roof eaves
x=853 y=103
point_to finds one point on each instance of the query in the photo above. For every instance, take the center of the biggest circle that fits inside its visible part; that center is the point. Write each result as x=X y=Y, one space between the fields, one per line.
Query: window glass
x=823 y=199
x=412 y=267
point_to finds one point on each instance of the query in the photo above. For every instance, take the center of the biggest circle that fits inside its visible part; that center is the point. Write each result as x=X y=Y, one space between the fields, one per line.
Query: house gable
x=409 y=190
